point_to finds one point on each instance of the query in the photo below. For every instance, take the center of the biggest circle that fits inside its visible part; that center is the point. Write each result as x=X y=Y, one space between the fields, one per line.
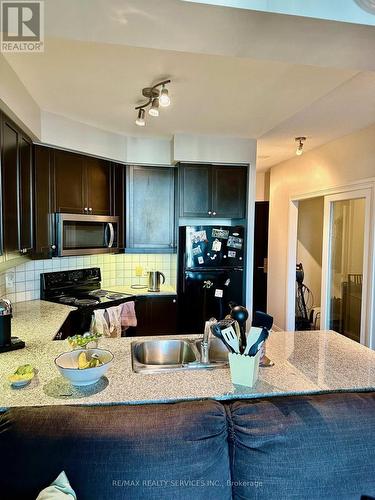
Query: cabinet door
x=98 y=186
x=69 y=182
x=164 y=315
x=10 y=187
x=150 y=207
x=44 y=217
x=195 y=191
x=118 y=200
x=229 y=192
x=25 y=194
x=155 y=316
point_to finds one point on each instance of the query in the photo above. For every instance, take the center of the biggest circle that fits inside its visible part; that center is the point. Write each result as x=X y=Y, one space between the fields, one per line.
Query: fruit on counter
x=84 y=363
x=82 y=340
x=23 y=373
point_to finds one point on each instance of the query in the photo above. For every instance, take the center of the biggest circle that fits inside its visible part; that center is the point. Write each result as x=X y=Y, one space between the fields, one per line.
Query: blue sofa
x=305 y=447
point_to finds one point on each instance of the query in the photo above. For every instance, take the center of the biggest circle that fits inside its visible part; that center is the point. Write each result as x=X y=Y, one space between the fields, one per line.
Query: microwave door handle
x=111 y=234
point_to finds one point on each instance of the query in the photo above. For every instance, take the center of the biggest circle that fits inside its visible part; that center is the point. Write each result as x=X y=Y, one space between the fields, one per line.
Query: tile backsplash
x=22 y=282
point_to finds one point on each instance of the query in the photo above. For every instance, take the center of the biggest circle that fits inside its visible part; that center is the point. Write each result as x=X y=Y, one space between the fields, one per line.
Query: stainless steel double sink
x=159 y=355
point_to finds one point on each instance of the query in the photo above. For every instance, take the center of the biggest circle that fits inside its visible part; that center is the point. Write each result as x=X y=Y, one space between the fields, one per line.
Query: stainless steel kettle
x=154 y=281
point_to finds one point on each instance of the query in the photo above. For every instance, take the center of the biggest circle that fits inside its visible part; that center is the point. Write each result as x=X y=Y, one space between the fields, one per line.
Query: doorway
x=345 y=261
x=341 y=280
x=260 y=256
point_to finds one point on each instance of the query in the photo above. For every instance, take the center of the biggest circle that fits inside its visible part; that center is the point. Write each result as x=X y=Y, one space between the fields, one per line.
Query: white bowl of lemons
x=84 y=366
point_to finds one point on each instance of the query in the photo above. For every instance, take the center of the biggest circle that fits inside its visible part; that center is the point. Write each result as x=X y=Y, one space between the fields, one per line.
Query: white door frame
x=292 y=252
x=326 y=268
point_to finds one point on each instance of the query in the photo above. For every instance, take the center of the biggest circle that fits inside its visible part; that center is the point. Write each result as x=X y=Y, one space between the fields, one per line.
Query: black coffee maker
x=7 y=342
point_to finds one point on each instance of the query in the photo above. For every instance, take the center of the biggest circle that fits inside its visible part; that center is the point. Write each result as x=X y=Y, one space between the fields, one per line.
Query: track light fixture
x=300 y=141
x=155 y=98
x=140 y=121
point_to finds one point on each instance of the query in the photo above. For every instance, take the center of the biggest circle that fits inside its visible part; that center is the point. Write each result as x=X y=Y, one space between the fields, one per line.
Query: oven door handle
x=111 y=235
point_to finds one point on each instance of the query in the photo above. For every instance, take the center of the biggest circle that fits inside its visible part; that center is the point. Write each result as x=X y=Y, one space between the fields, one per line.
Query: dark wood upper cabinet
x=229 y=191
x=150 y=208
x=69 y=182
x=195 y=190
x=212 y=191
x=98 y=186
x=17 y=178
x=10 y=187
x=26 y=194
x=44 y=237
x=82 y=184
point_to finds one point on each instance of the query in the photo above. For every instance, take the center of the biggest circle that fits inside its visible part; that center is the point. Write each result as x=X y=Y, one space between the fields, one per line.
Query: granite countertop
x=305 y=363
x=165 y=290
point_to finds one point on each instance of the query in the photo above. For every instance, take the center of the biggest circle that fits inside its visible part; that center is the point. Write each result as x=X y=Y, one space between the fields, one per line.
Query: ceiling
x=258 y=75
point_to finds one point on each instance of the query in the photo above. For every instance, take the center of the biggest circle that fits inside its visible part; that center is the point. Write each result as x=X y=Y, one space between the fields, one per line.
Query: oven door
x=86 y=234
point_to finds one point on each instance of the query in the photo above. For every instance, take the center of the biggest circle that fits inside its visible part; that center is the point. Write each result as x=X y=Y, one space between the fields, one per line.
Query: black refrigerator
x=210 y=273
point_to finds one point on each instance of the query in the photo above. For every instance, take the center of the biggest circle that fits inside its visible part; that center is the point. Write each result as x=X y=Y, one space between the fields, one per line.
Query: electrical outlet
x=10 y=278
x=138 y=271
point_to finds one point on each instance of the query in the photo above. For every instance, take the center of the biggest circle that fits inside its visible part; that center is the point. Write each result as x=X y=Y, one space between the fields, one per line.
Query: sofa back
x=306 y=447
x=163 y=451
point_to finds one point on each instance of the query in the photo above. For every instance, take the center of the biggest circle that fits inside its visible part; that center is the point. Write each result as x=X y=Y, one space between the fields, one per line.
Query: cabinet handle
x=174 y=301
x=209 y=212
x=213 y=213
x=90 y=209
x=85 y=209
x=53 y=247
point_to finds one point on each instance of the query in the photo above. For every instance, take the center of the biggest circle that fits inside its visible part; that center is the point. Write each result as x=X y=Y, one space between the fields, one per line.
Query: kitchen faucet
x=205 y=358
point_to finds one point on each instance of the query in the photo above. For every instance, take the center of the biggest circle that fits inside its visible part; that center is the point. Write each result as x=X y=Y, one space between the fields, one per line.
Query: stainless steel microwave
x=86 y=234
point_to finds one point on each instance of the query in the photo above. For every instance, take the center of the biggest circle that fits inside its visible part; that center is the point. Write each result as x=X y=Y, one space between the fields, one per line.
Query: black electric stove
x=80 y=288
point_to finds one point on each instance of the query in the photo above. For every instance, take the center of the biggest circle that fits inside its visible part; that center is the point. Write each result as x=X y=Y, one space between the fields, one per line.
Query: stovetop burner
x=115 y=296
x=67 y=300
x=98 y=293
x=86 y=302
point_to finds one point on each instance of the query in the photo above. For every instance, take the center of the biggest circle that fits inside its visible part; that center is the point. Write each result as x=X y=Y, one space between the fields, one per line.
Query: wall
x=350 y=158
x=213 y=149
x=70 y=134
x=16 y=101
x=310 y=243
x=116 y=270
x=262 y=190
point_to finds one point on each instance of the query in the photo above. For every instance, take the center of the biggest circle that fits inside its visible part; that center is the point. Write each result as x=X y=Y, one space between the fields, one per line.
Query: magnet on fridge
x=227 y=283
x=219 y=293
x=235 y=242
x=200 y=260
x=224 y=256
x=198 y=236
x=196 y=250
x=214 y=257
x=216 y=246
x=240 y=258
x=220 y=233
x=231 y=254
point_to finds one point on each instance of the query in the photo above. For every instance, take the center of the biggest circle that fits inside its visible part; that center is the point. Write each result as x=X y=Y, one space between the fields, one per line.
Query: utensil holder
x=244 y=370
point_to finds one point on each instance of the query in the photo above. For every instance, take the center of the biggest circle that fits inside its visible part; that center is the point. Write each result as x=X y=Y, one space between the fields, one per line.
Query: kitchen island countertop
x=305 y=363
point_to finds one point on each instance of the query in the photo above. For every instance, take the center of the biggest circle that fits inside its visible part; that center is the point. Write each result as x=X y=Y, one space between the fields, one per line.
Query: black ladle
x=240 y=314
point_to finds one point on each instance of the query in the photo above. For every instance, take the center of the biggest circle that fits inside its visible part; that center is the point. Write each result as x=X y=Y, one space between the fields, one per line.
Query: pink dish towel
x=128 y=317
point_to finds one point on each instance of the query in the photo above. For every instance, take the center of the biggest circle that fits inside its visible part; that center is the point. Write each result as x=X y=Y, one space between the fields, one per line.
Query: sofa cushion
x=146 y=451
x=311 y=447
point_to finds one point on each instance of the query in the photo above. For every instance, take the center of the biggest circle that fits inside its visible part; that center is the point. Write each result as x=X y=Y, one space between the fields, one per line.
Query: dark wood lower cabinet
x=155 y=316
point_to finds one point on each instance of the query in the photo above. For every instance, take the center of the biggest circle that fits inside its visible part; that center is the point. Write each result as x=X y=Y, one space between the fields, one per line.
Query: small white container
x=244 y=370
